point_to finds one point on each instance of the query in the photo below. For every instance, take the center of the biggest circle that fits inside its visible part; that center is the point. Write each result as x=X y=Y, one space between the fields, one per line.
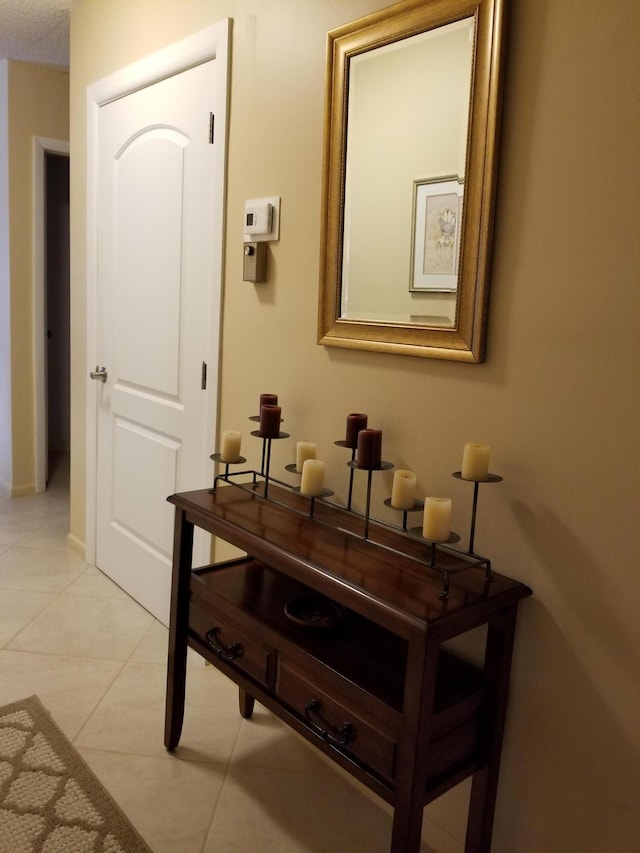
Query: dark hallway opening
x=57 y=380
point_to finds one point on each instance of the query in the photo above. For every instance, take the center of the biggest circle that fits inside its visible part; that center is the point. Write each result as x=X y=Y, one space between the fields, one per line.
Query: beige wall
x=6 y=462
x=38 y=99
x=558 y=398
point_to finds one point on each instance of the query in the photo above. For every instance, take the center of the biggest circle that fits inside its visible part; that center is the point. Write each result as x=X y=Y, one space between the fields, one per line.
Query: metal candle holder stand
x=470 y=558
x=266 y=451
x=491 y=478
x=384 y=466
x=417 y=505
x=266 y=447
x=351 y=472
x=416 y=533
x=325 y=493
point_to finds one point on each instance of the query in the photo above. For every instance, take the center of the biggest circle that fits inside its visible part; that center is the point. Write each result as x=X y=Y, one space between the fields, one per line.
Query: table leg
x=412 y=762
x=178 y=623
x=246 y=703
x=484 y=787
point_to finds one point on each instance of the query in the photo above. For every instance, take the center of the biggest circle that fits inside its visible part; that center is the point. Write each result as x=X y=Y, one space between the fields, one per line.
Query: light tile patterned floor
x=97 y=660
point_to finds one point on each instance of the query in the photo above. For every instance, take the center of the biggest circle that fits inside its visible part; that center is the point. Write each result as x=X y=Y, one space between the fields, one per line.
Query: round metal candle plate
x=314 y=612
x=217 y=458
x=325 y=493
x=416 y=533
x=292 y=468
x=418 y=504
x=491 y=478
x=383 y=466
x=257 y=434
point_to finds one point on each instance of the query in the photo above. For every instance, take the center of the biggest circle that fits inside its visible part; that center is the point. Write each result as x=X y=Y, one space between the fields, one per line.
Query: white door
x=158 y=295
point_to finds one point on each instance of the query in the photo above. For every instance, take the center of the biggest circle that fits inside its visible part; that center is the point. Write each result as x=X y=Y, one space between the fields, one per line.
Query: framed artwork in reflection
x=435 y=244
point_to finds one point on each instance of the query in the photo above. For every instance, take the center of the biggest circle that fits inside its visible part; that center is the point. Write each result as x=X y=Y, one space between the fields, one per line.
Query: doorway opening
x=58 y=350
x=52 y=324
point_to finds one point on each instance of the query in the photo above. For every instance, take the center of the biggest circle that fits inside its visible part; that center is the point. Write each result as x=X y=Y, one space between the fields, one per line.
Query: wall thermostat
x=262 y=219
x=258 y=218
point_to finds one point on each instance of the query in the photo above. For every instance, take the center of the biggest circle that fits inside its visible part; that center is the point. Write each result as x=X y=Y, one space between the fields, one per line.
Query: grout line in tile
x=216 y=805
x=99 y=699
x=117 y=674
x=222 y=786
x=152 y=625
x=33 y=618
x=48 y=550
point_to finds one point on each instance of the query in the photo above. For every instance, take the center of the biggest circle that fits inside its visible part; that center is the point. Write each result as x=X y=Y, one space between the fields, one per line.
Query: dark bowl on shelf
x=314 y=612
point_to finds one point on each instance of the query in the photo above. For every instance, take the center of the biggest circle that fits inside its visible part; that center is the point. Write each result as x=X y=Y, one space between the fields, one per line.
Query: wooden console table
x=378 y=691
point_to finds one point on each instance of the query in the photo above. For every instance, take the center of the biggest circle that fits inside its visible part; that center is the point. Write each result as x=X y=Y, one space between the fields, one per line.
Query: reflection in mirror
x=406 y=156
x=409 y=178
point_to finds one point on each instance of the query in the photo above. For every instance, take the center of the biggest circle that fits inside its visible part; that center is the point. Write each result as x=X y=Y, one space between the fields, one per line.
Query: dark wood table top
x=388 y=570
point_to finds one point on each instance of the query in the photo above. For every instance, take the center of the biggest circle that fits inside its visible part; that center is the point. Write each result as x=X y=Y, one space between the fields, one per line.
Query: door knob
x=100 y=374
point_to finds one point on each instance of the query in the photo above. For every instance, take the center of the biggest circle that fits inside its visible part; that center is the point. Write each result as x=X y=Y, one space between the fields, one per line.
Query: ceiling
x=35 y=31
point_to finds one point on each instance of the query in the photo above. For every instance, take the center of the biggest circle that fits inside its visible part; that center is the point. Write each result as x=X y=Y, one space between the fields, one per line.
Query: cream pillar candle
x=436 y=526
x=230 y=447
x=304 y=450
x=403 y=490
x=312 y=478
x=475 y=461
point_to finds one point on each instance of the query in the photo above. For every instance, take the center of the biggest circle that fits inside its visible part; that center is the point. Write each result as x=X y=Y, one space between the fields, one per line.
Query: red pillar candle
x=270 y=421
x=369 y=448
x=267 y=400
x=355 y=422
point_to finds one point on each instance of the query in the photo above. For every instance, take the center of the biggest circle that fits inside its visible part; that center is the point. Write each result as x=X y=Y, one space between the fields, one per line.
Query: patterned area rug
x=50 y=802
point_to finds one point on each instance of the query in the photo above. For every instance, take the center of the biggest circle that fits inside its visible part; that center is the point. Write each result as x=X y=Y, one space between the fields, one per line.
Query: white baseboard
x=76 y=545
x=23 y=491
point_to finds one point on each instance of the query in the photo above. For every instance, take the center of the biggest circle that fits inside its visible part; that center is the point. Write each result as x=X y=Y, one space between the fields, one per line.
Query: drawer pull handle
x=227 y=653
x=338 y=737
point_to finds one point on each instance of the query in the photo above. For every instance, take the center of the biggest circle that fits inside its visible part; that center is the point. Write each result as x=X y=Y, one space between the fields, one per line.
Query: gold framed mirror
x=410 y=162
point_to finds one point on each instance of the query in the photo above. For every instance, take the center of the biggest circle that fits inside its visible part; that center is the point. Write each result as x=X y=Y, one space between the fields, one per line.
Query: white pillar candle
x=312 y=477
x=403 y=491
x=475 y=461
x=304 y=450
x=436 y=526
x=230 y=448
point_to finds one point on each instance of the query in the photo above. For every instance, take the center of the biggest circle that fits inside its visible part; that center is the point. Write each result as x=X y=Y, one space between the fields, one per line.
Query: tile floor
x=97 y=660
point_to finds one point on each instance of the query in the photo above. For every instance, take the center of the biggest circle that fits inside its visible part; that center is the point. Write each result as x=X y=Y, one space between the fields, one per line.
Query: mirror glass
x=408 y=193
x=401 y=228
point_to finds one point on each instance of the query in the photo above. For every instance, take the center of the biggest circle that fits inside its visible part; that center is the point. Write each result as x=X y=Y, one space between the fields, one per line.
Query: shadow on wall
x=570 y=758
x=585 y=605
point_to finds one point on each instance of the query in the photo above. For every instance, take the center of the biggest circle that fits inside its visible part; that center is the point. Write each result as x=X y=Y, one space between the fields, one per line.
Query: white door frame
x=207 y=44
x=41 y=147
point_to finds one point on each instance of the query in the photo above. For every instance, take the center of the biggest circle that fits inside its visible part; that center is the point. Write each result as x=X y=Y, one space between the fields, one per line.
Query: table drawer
x=222 y=640
x=335 y=722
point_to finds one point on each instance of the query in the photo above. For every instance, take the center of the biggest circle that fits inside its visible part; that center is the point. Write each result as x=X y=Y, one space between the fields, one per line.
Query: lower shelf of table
x=342 y=689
